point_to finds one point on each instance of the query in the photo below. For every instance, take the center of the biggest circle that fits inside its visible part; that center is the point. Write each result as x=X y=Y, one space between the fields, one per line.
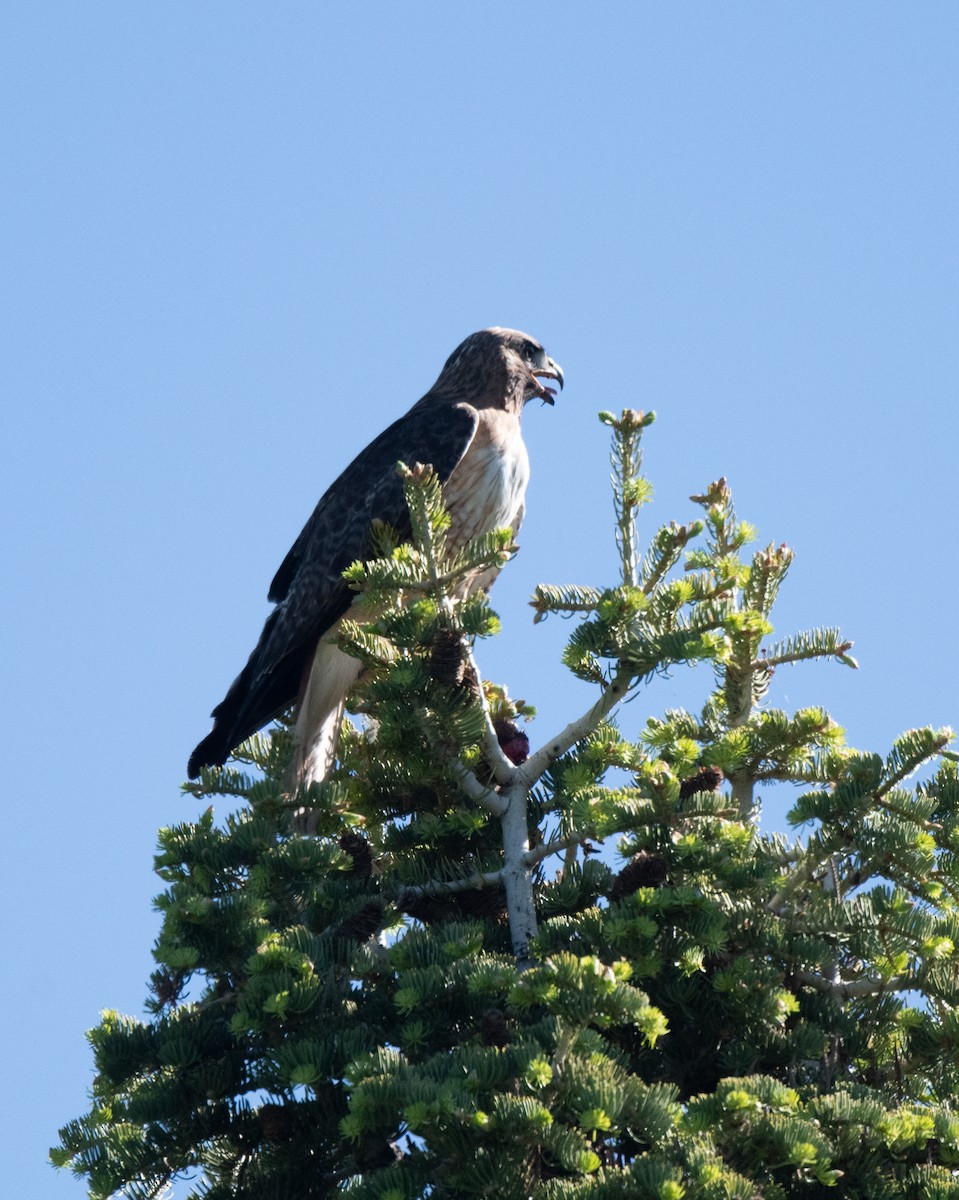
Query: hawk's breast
x=487 y=489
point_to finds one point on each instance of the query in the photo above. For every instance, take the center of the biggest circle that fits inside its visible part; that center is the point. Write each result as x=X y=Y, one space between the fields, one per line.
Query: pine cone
x=480 y=902
x=513 y=741
x=494 y=1029
x=644 y=870
x=447 y=660
x=358 y=848
x=449 y=906
x=276 y=1122
x=706 y=779
x=373 y=1151
x=428 y=909
x=362 y=924
x=167 y=986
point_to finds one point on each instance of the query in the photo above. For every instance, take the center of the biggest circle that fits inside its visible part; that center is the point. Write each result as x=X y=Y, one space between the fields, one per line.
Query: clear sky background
x=239 y=239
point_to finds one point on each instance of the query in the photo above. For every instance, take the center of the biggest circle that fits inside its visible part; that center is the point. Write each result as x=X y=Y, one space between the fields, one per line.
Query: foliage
x=419 y=979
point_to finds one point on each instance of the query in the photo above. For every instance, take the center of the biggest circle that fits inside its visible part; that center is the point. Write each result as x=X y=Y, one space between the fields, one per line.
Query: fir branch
x=218 y=781
x=567 y=598
x=664 y=553
x=908 y=813
x=429 y=520
x=815 y=643
x=488 y=551
x=630 y=490
x=910 y=751
x=417 y=1060
x=948 y=885
x=466 y=778
x=414 y=570
x=766 y=574
x=816 y=856
x=780 y=853
x=361 y=641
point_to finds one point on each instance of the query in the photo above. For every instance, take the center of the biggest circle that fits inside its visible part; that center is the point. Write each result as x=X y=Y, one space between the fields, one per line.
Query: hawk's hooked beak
x=545 y=368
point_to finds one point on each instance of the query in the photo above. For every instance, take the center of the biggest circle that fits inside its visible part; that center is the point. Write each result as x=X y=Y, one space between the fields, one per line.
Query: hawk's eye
x=530 y=350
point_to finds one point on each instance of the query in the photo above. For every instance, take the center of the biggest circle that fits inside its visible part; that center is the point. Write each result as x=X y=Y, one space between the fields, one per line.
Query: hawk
x=467 y=427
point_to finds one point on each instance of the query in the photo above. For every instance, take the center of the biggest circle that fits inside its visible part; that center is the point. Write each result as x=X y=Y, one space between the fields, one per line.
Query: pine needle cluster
x=485 y=968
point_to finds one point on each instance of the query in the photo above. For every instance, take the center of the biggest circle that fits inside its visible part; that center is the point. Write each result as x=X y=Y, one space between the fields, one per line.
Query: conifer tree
x=421 y=979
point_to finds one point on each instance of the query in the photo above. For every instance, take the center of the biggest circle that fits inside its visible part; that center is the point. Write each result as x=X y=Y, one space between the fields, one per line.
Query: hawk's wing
x=308 y=588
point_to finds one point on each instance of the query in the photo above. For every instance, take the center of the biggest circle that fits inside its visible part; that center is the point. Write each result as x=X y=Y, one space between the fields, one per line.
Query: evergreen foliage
x=418 y=979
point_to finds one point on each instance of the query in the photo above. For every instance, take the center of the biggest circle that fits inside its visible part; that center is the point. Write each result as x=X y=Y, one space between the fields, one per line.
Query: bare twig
x=849 y=989
x=498 y=763
x=546 y=849
x=530 y=771
x=486 y=797
x=440 y=887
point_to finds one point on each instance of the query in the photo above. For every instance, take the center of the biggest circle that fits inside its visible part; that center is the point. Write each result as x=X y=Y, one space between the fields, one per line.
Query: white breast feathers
x=487 y=489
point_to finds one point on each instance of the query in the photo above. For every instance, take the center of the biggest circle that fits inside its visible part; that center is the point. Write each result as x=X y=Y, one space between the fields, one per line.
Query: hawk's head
x=499 y=368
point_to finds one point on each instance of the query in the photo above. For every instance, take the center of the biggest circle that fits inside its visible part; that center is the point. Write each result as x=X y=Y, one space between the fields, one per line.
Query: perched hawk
x=468 y=427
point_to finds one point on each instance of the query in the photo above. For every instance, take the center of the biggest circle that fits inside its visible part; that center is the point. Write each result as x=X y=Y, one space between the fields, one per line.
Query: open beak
x=547 y=369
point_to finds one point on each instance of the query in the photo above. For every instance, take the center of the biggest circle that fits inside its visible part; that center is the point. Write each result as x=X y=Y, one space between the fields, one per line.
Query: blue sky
x=240 y=239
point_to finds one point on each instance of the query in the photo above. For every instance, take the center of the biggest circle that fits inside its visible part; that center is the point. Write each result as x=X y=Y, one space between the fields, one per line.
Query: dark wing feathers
x=308 y=588
x=370 y=488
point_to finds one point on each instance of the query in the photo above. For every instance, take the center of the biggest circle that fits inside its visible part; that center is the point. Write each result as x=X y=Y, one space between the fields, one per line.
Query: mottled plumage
x=468 y=427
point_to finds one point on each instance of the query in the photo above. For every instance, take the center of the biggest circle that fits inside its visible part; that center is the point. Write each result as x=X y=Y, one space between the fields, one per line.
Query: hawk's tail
x=320 y=712
x=256 y=696
x=211 y=752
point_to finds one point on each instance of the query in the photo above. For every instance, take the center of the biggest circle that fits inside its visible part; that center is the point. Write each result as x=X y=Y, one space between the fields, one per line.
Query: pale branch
x=627 y=534
x=569 y=861
x=501 y=766
x=832 y=881
x=786 y=856
x=742 y=781
x=850 y=989
x=818 y=857
x=537 y=764
x=486 y=797
x=802 y=876
x=497 y=761
x=440 y=887
x=546 y=849
x=517 y=879
x=742 y=793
